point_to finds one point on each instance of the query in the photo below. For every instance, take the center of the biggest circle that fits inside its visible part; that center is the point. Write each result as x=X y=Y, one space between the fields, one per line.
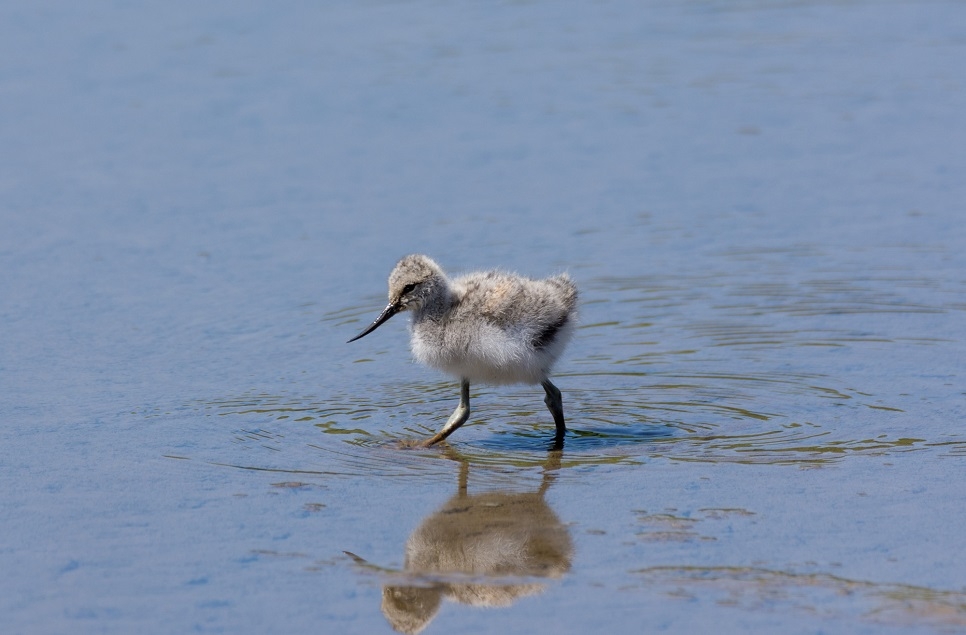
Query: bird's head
x=414 y=280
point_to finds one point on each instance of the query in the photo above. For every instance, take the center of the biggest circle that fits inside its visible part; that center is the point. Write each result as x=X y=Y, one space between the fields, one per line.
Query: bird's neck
x=438 y=304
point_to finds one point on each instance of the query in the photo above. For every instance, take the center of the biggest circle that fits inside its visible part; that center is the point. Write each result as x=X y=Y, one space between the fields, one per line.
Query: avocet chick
x=491 y=327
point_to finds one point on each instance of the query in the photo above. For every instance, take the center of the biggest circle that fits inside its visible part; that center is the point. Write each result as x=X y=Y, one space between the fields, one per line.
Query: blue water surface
x=762 y=205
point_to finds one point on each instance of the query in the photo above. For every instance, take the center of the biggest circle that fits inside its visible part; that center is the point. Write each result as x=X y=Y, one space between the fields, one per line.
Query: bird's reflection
x=487 y=549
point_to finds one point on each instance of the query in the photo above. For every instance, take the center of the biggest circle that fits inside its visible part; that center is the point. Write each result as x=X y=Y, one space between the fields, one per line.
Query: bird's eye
x=409 y=288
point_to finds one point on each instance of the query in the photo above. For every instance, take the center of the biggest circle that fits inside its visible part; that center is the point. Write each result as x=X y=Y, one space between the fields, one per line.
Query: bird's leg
x=555 y=403
x=458 y=418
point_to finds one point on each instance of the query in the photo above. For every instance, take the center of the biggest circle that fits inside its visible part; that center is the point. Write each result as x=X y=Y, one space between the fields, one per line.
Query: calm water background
x=763 y=205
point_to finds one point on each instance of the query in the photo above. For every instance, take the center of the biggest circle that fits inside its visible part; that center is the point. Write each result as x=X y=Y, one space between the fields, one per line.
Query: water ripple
x=697 y=417
x=749 y=365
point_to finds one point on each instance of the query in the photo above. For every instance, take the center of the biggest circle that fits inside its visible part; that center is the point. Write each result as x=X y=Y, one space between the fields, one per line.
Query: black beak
x=387 y=313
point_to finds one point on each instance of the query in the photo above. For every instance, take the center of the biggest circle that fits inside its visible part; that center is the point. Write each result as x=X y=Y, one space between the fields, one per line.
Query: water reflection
x=487 y=550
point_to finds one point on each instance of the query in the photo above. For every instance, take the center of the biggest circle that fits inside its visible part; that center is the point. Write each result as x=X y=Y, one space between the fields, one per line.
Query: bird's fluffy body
x=492 y=327
x=498 y=328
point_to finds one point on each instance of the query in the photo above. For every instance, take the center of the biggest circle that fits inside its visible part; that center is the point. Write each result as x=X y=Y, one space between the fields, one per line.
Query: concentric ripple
x=767 y=360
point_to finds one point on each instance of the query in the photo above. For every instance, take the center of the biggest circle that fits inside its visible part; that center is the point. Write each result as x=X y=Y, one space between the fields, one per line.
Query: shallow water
x=760 y=201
